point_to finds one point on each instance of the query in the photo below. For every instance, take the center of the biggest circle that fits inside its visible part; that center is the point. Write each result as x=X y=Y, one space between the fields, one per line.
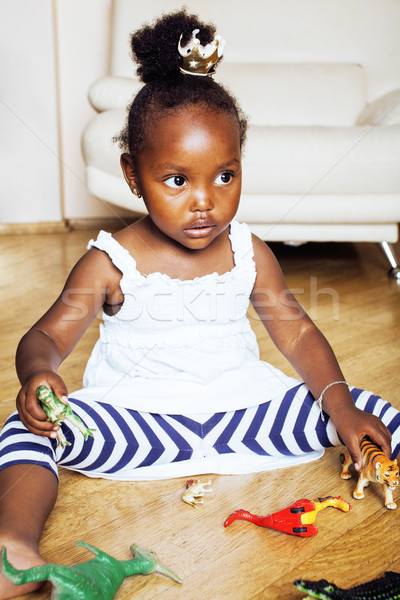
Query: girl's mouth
x=198 y=231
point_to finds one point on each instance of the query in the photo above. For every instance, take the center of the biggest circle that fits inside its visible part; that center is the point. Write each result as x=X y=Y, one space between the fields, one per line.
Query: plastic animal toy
x=376 y=467
x=195 y=490
x=385 y=588
x=96 y=579
x=296 y=519
x=58 y=412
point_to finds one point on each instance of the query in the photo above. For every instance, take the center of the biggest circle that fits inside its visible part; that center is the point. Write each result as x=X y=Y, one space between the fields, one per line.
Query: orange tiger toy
x=376 y=467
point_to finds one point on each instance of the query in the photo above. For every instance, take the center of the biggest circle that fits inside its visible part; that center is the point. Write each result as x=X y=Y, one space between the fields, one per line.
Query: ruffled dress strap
x=242 y=245
x=119 y=255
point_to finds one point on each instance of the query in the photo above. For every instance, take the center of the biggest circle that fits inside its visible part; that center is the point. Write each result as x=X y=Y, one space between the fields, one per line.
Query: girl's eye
x=176 y=181
x=224 y=178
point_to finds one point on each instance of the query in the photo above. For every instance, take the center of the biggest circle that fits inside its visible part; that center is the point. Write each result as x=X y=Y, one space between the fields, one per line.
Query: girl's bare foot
x=20 y=556
x=27 y=495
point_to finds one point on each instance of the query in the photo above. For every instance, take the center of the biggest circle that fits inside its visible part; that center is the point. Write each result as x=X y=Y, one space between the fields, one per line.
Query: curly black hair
x=155 y=50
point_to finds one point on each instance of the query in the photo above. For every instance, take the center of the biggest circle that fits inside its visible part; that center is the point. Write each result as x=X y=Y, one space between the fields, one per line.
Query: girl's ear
x=129 y=171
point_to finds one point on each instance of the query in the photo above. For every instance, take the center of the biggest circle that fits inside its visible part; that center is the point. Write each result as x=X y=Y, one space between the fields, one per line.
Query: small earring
x=137 y=194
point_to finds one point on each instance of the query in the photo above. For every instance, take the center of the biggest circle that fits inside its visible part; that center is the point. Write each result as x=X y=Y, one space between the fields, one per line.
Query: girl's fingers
x=383 y=439
x=38 y=427
x=355 y=454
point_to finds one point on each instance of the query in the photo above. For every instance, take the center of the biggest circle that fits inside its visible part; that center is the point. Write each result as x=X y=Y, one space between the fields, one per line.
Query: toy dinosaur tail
x=245 y=515
x=18 y=576
x=335 y=501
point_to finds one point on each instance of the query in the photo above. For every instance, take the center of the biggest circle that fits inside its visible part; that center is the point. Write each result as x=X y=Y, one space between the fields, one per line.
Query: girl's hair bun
x=155 y=46
x=155 y=49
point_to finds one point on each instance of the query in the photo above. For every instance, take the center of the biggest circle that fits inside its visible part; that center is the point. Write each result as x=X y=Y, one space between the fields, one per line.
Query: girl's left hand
x=353 y=424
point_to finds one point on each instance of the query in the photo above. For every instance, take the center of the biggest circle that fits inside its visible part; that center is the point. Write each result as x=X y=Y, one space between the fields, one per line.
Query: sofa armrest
x=113 y=92
x=383 y=111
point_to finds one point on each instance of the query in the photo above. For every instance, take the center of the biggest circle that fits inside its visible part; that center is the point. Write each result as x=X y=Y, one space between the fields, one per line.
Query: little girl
x=175 y=385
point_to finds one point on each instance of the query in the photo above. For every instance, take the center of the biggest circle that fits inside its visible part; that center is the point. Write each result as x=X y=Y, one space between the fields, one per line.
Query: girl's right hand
x=30 y=411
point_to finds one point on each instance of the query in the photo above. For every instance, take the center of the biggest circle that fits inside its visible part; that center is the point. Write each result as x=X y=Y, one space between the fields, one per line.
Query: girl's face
x=189 y=174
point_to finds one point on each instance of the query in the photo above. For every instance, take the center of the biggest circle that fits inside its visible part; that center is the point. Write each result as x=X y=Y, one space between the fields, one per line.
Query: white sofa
x=320 y=82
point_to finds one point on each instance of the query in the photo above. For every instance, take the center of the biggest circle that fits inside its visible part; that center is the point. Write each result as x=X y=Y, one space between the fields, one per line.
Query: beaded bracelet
x=321 y=396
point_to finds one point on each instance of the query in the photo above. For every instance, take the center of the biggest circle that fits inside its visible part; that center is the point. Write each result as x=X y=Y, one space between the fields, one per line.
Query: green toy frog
x=58 y=412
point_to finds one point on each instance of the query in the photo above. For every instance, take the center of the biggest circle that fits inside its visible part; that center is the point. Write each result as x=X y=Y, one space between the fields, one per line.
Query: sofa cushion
x=297 y=94
x=319 y=208
x=317 y=160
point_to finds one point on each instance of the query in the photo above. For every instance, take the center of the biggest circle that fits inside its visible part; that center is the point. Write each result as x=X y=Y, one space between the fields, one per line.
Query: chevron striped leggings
x=126 y=440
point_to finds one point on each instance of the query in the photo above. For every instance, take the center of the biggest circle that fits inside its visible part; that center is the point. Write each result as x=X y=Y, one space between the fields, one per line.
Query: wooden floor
x=345 y=289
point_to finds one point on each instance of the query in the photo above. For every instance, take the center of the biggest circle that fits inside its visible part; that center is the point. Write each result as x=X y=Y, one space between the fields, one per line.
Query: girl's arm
x=53 y=337
x=310 y=354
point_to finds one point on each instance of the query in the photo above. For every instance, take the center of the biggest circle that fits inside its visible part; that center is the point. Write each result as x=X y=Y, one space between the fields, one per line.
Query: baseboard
x=106 y=223
x=34 y=228
x=95 y=223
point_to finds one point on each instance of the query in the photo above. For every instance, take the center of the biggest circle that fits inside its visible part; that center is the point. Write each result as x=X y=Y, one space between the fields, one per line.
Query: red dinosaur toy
x=296 y=519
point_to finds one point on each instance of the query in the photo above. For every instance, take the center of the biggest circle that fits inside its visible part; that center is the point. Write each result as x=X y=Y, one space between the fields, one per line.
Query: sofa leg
x=390 y=254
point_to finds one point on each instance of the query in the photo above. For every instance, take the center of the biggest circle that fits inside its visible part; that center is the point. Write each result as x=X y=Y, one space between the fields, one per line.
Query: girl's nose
x=202 y=200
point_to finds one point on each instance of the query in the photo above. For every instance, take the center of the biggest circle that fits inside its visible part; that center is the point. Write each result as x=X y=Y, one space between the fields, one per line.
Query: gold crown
x=196 y=59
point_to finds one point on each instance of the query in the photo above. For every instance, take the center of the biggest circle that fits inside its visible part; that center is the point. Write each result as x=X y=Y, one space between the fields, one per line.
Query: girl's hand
x=28 y=405
x=353 y=424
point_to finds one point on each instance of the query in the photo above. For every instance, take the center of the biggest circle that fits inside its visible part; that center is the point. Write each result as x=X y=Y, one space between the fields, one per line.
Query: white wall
x=30 y=177
x=51 y=50
x=83 y=38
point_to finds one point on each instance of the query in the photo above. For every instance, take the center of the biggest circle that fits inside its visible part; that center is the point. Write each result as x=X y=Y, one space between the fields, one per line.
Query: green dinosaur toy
x=384 y=588
x=96 y=579
x=57 y=412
